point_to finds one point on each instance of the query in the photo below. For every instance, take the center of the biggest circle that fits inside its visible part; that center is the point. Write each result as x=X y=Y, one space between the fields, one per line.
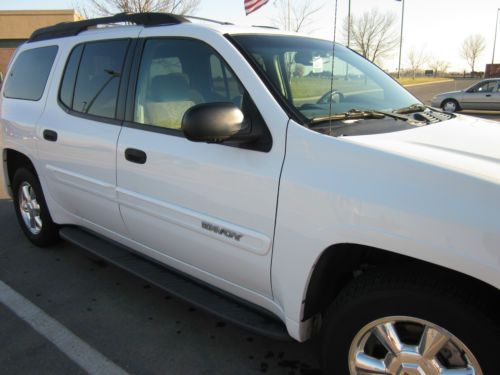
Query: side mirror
x=215 y=122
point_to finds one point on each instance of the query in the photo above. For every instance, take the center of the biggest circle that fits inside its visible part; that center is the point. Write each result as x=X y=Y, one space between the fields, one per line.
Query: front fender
x=334 y=191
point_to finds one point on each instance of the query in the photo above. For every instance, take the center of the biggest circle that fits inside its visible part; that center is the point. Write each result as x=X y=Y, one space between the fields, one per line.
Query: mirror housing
x=216 y=123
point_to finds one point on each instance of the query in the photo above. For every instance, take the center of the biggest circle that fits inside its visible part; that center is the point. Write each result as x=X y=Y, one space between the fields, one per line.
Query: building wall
x=16 y=26
x=5 y=54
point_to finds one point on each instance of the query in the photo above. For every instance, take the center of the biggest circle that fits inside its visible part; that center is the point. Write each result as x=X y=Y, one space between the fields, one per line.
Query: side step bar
x=182 y=287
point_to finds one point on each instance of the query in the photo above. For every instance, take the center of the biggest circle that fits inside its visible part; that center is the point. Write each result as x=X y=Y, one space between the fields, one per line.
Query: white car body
x=431 y=193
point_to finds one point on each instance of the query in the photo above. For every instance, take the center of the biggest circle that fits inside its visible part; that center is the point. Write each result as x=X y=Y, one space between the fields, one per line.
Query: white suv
x=277 y=180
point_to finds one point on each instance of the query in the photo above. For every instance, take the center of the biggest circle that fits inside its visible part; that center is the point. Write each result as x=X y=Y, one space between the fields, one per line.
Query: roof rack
x=266 y=27
x=209 y=20
x=65 y=29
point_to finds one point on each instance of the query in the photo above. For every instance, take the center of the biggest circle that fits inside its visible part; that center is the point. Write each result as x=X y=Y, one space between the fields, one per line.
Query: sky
x=437 y=26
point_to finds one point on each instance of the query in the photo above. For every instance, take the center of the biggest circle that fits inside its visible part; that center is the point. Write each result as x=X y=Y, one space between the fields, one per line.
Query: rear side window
x=92 y=78
x=68 y=82
x=28 y=76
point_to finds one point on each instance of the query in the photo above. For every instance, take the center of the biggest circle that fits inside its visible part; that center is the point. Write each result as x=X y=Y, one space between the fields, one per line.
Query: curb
x=428 y=83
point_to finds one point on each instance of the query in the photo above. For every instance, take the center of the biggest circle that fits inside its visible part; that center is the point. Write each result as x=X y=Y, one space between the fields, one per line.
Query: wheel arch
x=341 y=263
x=12 y=160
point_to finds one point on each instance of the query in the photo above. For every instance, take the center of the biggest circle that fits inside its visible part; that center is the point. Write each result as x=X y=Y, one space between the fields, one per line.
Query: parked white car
x=362 y=216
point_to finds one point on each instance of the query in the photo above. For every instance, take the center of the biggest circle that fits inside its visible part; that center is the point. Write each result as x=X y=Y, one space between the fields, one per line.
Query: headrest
x=173 y=86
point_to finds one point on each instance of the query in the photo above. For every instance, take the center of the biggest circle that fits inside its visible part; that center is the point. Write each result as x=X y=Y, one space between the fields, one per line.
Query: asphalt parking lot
x=75 y=314
x=133 y=326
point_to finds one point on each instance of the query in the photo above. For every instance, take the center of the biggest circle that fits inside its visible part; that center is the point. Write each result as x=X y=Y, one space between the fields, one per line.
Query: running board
x=184 y=288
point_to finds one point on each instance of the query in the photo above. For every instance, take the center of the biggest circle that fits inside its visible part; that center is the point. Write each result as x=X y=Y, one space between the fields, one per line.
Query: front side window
x=28 y=76
x=302 y=69
x=485 y=87
x=97 y=80
x=176 y=74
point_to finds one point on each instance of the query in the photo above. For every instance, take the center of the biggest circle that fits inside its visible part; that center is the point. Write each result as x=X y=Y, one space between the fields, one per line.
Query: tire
x=450 y=105
x=31 y=209
x=375 y=301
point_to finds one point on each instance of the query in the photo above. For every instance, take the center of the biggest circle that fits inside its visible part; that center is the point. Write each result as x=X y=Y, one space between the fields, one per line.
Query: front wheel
x=388 y=325
x=450 y=105
x=31 y=209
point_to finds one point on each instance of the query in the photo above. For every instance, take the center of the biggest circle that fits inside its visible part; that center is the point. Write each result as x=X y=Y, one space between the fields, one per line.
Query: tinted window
x=178 y=74
x=223 y=81
x=98 y=78
x=68 y=82
x=29 y=74
x=489 y=86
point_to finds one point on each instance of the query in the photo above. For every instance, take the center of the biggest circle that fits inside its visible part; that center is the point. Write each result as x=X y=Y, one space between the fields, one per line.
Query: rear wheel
x=450 y=105
x=31 y=210
x=393 y=325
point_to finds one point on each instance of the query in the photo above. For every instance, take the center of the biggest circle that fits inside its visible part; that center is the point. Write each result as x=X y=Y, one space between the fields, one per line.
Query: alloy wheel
x=403 y=345
x=29 y=208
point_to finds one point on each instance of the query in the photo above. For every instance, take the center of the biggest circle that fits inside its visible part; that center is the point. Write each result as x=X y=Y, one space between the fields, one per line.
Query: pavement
x=112 y=317
x=62 y=311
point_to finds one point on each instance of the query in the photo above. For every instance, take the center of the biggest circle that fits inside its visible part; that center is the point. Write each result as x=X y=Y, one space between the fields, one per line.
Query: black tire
x=450 y=101
x=379 y=295
x=49 y=232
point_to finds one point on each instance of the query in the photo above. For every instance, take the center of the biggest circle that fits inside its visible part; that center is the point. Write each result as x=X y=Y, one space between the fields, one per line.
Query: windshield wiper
x=357 y=114
x=417 y=107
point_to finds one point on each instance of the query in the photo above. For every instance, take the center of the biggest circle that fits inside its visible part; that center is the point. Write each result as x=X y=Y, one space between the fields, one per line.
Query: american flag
x=253 y=5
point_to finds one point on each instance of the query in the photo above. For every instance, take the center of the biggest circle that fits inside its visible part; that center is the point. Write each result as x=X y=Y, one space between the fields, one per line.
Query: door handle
x=50 y=135
x=135 y=156
x=488 y=95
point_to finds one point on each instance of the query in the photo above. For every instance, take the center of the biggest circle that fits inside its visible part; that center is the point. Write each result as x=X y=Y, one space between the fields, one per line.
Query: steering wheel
x=334 y=96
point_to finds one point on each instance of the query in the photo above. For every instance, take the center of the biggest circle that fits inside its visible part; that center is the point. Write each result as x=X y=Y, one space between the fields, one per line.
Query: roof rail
x=65 y=29
x=266 y=27
x=209 y=20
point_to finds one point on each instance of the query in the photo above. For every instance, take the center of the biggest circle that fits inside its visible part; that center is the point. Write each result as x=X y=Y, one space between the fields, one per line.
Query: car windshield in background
x=300 y=68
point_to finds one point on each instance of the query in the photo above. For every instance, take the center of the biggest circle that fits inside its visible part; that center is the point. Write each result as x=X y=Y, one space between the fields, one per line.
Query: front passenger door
x=207 y=209
x=482 y=96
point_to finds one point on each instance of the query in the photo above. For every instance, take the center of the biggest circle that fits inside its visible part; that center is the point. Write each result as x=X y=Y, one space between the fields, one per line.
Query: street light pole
x=289 y=27
x=495 y=41
x=349 y=25
x=401 y=36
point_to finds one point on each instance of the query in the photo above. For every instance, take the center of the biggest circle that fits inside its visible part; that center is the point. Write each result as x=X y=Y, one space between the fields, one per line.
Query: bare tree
x=373 y=34
x=296 y=15
x=439 y=66
x=472 y=47
x=416 y=59
x=108 y=7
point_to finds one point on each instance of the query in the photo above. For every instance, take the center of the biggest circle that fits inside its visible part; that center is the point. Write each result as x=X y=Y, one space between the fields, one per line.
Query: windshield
x=300 y=69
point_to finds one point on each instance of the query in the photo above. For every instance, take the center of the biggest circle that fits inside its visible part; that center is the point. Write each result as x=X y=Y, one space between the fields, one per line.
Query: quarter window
x=97 y=78
x=28 y=76
x=176 y=74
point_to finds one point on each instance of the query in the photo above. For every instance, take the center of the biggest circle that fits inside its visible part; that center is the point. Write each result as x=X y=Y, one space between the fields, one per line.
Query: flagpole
x=401 y=36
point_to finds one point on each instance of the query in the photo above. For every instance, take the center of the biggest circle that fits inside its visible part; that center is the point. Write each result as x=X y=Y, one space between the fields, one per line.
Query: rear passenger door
x=207 y=209
x=78 y=133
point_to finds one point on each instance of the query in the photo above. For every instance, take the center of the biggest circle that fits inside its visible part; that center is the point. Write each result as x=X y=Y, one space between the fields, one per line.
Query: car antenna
x=333 y=65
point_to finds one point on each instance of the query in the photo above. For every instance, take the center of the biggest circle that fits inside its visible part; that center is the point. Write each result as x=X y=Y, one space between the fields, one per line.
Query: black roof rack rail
x=65 y=29
x=209 y=20
x=266 y=27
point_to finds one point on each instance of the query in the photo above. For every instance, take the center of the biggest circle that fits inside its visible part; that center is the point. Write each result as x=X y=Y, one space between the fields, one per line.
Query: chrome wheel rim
x=29 y=208
x=450 y=107
x=401 y=345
